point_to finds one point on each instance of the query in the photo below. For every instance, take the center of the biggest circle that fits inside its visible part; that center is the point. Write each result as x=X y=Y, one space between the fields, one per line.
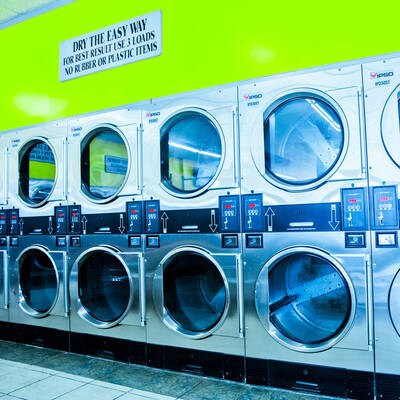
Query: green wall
x=205 y=43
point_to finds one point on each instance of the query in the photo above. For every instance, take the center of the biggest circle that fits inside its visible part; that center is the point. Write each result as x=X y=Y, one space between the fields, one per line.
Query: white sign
x=123 y=43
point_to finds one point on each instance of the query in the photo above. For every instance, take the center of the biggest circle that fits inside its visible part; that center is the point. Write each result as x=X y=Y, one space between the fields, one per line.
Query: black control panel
x=60 y=220
x=152 y=216
x=385 y=207
x=4 y=222
x=253 y=213
x=354 y=210
x=229 y=214
x=75 y=219
x=134 y=216
x=15 y=226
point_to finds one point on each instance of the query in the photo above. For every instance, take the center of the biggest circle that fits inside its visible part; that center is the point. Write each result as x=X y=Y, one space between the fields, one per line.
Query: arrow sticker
x=84 y=223
x=213 y=226
x=270 y=214
x=121 y=223
x=50 y=228
x=333 y=222
x=21 y=226
x=164 y=218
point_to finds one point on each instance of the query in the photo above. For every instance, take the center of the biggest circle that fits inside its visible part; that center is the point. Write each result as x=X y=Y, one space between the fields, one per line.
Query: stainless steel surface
x=383 y=128
x=20 y=310
x=163 y=329
x=130 y=324
x=341 y=89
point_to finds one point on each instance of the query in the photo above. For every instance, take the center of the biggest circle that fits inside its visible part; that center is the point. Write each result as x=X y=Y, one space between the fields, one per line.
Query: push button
x=135 y=241
x=254 y=241
x=230 y=241
x=3 y=241
x=61 y=241
x=14 y=242
x=153 y=241
x=386 y=239
x=355 y=239
x=75 y=241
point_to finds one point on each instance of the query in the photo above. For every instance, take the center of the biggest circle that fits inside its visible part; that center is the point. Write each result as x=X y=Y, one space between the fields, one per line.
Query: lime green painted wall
x=205 y=43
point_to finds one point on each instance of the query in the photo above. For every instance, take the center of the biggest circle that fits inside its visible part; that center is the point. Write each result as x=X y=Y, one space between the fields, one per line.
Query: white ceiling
x=14 y=11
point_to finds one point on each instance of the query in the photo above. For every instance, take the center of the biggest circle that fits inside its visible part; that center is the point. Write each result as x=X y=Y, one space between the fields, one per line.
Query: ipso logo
x=376 y=75
x=154 y=114
x=253 y=96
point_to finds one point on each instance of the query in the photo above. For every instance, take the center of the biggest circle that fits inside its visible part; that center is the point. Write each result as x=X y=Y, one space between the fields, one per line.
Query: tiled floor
x=32 y=373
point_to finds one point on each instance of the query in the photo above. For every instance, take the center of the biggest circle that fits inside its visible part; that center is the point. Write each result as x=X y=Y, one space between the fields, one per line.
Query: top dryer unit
x=4 y=168
x=301 y=132
x=105 y=159
x=190 y=148
x=38 y=165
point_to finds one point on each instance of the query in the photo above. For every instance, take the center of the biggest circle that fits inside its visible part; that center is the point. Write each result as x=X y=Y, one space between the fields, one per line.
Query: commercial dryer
x=192 y=247
x=106 y=277
x=37 y=215
x=306 y=248
x=4 y=226
x=382 y=94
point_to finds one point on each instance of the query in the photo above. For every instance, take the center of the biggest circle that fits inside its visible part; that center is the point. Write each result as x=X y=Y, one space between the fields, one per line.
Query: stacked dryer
x=192 y=224
x=4 y=270
x=37 y=262
x=382 y=113
x=306 y=248
x=105 y=250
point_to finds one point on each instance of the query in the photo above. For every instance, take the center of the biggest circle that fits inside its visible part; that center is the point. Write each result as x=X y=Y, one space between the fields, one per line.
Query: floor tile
x=151 y=395
x=47 y=389
x=253 y=393
x=111 y=386
x=24 y=353
x=90 y=391
x=73 y=377
x=171 y=384
x=134 y=396
x=24 y=377
x=212 y=389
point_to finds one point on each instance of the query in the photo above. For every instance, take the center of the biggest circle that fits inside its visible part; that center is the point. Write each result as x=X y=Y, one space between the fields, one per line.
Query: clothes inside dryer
x=309 y=299
x=303 y=139
x=37 y=172
x=103 y=286
x=104 y=163
x=191 y=152
x=38 y=280
x=195 y=295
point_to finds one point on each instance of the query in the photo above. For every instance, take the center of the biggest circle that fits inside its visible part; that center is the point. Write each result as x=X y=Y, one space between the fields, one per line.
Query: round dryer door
x=37 y=172
x=191 y=152
x=304 y=139
x=195 y=293
x=104 y=164
x=394 y=302
x=305 y=299
x=104 y=287
x=38 y=282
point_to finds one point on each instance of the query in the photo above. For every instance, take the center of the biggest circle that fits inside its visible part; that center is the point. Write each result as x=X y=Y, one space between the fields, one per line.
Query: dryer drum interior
x=191 y=152
x=195 y=295
x=309 y=299
x=38 y=280
x=104 y=163
x=37 y=172
x=103 y=286
x=303 y=140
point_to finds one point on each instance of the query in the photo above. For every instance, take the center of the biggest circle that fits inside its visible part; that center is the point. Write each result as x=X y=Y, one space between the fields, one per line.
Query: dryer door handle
x=239 y=272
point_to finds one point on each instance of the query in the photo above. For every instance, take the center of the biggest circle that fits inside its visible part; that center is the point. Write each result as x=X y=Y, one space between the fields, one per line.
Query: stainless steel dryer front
x=191 y=172
x=306 y=257
x=39 y=291
x=107 y=298
x=382 y=94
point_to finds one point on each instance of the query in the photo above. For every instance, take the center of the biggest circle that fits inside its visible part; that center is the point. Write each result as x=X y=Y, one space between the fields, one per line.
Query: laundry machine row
x=246 y=232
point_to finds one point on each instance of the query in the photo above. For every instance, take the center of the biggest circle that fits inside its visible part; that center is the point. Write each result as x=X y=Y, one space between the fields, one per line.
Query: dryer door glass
x=303 y=140
x=38 y=280
x=103 y=286
x=309 y=299
x=194 y=292
x=37 y=172
x=104 y=164
x=191 y=152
